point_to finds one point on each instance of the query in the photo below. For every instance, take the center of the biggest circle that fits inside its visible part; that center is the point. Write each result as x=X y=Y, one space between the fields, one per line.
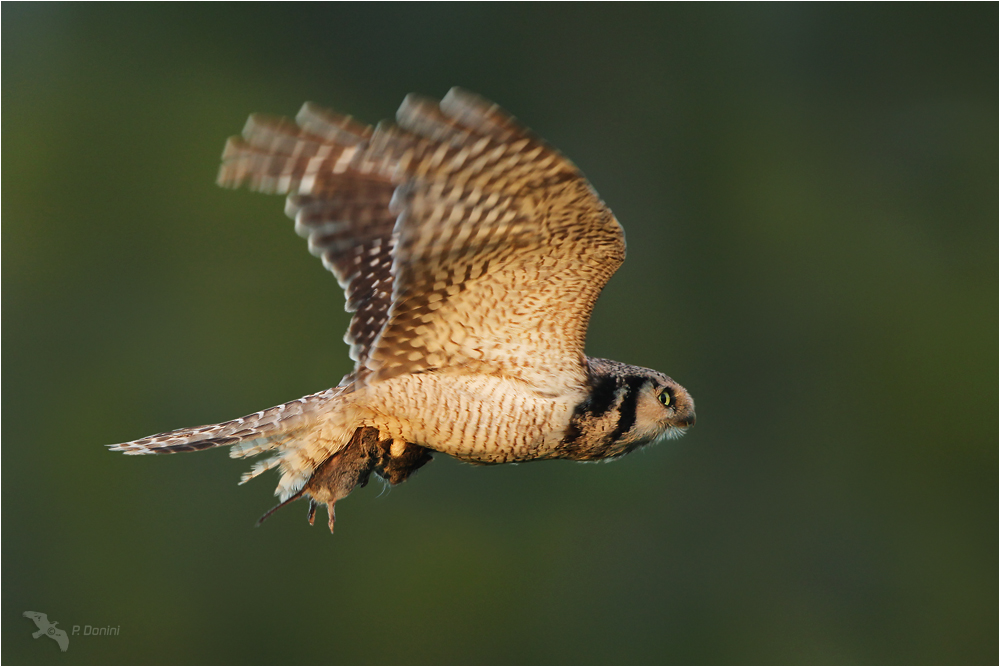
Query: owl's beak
x=686 y=420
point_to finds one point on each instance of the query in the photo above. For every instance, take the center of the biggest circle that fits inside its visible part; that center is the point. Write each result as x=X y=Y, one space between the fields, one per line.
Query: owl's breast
x=476 y=418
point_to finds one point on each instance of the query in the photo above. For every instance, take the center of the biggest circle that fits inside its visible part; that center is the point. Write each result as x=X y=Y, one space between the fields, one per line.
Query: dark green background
x=810 y=197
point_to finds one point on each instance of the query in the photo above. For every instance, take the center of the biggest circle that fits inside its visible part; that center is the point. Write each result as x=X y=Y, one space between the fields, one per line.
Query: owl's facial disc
x=664 y=410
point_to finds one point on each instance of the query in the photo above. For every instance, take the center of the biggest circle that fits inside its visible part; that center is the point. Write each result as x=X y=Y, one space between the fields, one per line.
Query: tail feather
x=247 y=448
x=248 y=436
x=260 y=467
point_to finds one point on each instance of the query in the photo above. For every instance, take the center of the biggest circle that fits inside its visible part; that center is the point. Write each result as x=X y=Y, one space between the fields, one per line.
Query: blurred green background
x=810 y=198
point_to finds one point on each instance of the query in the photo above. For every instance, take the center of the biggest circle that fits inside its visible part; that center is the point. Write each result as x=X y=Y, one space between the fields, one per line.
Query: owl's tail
x=274 y=428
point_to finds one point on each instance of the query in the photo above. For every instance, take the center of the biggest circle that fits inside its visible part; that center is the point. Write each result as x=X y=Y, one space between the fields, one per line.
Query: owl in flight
x=471 y=254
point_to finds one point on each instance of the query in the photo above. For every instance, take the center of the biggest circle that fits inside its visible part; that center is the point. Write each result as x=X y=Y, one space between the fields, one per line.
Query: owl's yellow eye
x=664 y=397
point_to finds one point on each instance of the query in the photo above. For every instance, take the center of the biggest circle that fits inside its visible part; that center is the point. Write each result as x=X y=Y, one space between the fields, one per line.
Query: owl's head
x=663 y=409
x=626 y=407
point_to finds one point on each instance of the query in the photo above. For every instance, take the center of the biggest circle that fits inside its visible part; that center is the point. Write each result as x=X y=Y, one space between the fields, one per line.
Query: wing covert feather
x=463 y=241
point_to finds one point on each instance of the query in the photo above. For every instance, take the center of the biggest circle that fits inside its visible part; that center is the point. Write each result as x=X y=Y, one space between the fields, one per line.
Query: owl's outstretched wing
x=463 y=241
x=338 y=197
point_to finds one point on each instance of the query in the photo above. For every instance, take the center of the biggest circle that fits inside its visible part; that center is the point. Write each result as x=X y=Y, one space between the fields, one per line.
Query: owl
x=471 y=254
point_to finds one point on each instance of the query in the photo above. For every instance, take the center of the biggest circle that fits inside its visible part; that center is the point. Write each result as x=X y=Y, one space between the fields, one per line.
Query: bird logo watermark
x=58 y=635
x=48 y=628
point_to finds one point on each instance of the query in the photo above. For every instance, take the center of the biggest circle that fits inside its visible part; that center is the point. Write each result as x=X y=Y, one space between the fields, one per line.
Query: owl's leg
x=399 y=459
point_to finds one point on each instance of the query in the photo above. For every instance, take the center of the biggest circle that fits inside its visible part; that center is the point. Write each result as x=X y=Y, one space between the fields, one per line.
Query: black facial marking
x=626 y=413
x=602 y=398
x=573 y=432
